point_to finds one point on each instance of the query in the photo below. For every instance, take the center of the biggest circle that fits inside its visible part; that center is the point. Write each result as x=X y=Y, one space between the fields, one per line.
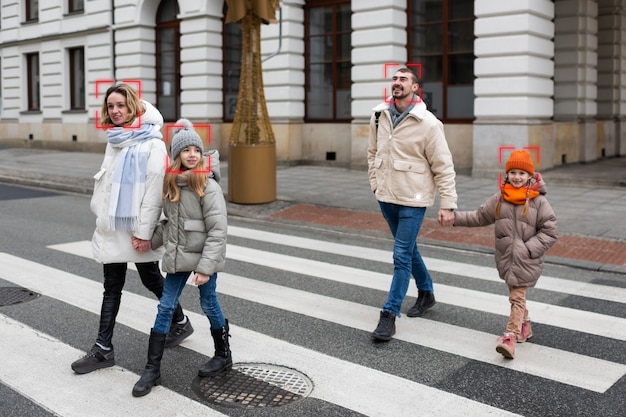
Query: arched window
x=441 y=38
x=168 y=60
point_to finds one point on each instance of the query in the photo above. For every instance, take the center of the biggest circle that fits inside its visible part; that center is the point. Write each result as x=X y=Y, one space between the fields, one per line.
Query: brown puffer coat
x=521 y=241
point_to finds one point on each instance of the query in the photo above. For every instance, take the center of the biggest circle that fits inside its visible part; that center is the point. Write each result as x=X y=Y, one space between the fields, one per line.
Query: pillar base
x=251 y=173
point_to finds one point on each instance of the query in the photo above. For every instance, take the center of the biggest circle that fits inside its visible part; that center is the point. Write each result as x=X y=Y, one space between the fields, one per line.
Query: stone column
x=611 y=71
x=378 y=38
x=575 y=76
x=283 y=77
x=513 y=87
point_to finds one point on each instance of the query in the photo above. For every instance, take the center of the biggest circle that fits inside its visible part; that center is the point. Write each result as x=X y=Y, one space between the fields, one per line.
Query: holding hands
x=445 y=217
x=141 y=245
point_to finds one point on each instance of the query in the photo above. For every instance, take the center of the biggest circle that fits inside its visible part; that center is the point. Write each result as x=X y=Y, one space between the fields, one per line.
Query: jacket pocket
x=409 y=166
x=195 y=234
x=409 y=181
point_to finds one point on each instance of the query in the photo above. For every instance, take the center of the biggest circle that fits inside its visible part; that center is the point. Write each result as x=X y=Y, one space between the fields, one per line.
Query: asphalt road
x=303 y=300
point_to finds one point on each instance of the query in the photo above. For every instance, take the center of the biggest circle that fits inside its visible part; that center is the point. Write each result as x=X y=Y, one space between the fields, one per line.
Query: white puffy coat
x=115 y=246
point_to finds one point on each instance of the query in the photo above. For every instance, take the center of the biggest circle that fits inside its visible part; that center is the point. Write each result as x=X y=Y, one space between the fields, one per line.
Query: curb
x=263 y=212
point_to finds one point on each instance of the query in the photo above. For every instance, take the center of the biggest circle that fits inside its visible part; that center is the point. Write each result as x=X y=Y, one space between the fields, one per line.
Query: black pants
x=114 y=279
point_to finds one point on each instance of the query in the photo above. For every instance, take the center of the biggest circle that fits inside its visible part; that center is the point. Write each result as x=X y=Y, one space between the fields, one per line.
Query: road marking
x=360 y=386
x=564 y=317
x=37 y=366
x=547 y=363
x=565 y=286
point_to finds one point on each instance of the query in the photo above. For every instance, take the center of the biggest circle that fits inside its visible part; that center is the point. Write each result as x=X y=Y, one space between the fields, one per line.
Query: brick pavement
x=603 y=251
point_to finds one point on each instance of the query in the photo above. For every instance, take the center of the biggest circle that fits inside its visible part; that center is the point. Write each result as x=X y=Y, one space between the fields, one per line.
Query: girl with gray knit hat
x=194 y=236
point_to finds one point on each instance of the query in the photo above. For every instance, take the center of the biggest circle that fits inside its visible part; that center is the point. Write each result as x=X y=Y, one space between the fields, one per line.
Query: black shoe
x=97 y=358
x=216 y=365
x=386 y=326
x=178 y=333
x=425 y=300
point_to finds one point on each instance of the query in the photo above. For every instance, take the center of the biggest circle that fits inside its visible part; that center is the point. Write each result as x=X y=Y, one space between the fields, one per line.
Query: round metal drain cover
x=16 y=295
x=253 y=385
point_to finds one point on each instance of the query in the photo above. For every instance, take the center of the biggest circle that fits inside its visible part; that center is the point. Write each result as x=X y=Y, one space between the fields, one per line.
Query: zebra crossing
x=357 y=392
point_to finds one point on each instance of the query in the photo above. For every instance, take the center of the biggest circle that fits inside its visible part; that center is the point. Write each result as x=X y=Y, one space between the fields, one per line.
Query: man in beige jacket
x=408 y=159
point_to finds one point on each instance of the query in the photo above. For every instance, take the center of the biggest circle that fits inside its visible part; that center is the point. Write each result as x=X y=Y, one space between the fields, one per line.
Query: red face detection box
x=170 y=131
x=505 y=150
x=390 y=68
x=102 y=86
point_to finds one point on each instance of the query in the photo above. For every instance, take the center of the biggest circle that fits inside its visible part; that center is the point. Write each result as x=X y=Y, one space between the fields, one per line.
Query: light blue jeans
x=405 y=223
x=173 y=287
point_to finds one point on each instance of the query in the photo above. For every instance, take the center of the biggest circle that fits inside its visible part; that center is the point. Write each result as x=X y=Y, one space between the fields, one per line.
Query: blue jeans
x=173 y=287
x=405 y=223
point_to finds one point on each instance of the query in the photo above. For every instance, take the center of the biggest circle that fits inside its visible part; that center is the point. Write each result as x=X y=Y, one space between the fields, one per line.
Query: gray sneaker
x=97 y=358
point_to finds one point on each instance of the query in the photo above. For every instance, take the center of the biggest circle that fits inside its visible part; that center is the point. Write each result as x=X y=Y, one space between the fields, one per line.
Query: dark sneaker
x=97 y=358
x=386 y=326
x=425 y=300
x=178 y=333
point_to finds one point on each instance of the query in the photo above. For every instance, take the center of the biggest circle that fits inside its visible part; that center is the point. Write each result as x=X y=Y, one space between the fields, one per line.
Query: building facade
x=546 y=75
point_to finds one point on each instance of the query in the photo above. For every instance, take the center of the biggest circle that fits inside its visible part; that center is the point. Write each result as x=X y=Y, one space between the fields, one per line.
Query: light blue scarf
x=129 y=174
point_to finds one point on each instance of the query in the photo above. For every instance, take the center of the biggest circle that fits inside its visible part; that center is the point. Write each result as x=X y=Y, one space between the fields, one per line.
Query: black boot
x=425 y=300
x=222 y=360
x=151 y=376
x=386 y=326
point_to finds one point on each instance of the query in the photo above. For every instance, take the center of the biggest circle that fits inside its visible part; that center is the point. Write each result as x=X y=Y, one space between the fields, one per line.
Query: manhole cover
x=15 y=295
x=252 y=385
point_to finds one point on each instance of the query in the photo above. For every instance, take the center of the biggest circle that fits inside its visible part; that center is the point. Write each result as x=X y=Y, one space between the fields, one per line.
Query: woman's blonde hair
x=133 y=102
x=197 y=179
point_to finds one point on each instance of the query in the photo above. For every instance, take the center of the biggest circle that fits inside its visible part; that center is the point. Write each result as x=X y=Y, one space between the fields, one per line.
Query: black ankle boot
x=425 y=300
x=222 y=360
x=151 y=376
x=386 y=326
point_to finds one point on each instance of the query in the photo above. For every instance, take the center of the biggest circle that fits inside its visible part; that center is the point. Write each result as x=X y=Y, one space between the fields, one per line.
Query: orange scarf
x=518 y=195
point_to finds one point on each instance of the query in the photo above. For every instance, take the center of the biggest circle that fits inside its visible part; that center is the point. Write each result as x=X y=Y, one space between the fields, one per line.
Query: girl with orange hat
x=525 y=228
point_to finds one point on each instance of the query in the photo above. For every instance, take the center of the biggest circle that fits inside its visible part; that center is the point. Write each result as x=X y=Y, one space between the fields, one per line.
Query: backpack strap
x=377 y=116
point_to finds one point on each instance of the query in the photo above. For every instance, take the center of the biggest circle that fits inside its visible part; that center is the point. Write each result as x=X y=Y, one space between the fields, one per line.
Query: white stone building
x=546 y=75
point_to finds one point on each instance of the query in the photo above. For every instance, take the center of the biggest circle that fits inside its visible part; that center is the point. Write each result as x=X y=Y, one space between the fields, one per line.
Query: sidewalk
x=589 y=200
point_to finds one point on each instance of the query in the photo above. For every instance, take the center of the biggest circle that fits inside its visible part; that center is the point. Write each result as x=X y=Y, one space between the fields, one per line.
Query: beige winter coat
x=521 y=241
x=194 y=231
x=408 y=163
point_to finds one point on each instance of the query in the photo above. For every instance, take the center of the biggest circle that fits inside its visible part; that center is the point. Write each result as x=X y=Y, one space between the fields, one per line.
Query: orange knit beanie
x=520 y=160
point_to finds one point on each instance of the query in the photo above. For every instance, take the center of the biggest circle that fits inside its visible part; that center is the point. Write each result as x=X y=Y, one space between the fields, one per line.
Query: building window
x=75 y=6
x=77 y=78
x=441 y=39
x=231 y=61
x=328 y=60
x=32 y=70
x=32 y=10
x=168 y=60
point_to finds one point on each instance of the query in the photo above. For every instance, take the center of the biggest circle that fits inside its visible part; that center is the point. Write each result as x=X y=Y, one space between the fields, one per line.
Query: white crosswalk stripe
x=590 y=373
x=360 y=385
x=358 y=393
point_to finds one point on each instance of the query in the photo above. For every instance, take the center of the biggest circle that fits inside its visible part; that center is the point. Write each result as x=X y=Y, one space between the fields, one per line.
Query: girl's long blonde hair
x=196 y=178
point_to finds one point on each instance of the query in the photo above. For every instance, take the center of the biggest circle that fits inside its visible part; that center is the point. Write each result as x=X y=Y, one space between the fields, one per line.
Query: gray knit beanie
x=184 y=137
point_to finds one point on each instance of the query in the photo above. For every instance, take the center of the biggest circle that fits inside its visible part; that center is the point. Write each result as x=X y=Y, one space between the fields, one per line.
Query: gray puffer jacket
x=521 y=240
x=194 y=230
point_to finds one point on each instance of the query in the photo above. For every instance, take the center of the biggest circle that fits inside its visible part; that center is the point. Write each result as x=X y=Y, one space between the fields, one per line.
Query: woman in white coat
x=127 y=203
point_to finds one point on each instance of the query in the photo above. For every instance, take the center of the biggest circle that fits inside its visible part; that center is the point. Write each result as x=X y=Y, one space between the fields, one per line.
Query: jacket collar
x=419 y=110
